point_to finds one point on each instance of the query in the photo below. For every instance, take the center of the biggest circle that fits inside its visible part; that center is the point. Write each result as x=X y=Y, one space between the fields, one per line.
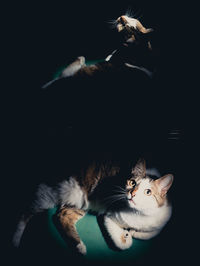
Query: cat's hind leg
x=66 y=219
x=120 y=236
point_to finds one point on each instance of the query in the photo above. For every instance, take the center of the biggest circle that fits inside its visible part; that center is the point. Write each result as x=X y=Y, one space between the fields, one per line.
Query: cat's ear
x=164 y=183
x=140 y=169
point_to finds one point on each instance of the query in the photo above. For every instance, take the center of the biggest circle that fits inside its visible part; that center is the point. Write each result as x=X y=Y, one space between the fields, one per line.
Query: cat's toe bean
x=81 y=248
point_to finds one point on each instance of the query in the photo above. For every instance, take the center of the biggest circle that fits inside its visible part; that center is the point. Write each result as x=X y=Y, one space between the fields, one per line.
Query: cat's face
x=144 y=193
x=131 y=27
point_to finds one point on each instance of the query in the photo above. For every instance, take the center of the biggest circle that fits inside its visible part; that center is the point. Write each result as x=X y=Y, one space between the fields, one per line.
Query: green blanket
x=97 y=248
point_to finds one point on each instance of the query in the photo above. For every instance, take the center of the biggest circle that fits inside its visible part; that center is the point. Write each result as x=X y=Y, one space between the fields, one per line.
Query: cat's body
x=95 y=190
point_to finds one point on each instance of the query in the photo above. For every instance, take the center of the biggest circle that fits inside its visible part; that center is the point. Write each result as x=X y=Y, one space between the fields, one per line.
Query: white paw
x=81 y=248
x=124 y=241
x=82 y=60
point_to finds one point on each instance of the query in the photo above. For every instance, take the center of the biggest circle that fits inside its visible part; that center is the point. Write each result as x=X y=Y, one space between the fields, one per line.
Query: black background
x=41 y=37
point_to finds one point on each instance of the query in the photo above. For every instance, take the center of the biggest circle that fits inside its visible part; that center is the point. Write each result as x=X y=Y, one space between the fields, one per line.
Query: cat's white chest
x=136 y=221
x=139 y=222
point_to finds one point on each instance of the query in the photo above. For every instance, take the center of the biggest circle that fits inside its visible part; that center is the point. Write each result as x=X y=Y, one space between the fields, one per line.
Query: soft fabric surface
x=97 y=248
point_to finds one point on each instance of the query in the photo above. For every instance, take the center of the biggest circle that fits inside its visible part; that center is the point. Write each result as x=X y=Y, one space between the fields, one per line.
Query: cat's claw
x=81 y=248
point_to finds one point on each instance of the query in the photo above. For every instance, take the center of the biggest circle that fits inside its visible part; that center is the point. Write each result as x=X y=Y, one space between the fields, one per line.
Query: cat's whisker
x=120 y=188
x=110 y=202
x=113 y=198
x=119 y=192
x=112 y=23
x=137 y=14
x=113 y=201
x=141 y=16
x=131 y=14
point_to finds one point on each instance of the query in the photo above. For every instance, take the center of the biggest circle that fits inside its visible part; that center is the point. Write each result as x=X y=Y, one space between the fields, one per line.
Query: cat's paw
x=81 y=248
x=126 y=240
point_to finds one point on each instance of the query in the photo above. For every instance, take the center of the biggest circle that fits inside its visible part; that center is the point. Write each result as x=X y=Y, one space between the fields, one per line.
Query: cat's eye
x=132 y=183
x=147 y=192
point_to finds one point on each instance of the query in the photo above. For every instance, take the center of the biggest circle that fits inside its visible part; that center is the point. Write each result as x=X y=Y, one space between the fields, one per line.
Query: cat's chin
x=131 y=203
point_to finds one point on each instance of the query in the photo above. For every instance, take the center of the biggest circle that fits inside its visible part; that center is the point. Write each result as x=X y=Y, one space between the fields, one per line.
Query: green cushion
x=97 y=248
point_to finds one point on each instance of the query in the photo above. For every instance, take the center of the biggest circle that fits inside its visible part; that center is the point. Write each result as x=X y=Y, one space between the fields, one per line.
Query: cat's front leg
x=66 y=219
x=121 y=237
x=143 y=235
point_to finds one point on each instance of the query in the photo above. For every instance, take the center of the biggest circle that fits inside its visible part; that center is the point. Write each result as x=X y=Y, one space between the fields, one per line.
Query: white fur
x=144 y=235
x=81 y=248
x=116 y=233
x=143 y=226
x=46 y=198
x=131 y=21
x=144 y=217
x=147 y=222
x=70 y=193
x=73 y=67
x=109 y=56
x=142 y=202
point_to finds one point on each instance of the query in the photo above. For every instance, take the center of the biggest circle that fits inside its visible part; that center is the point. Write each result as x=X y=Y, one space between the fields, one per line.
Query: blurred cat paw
x=81 y=248
x=126 y=240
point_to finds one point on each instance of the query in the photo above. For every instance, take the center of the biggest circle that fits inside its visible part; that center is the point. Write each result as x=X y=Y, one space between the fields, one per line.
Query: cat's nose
x=133 y=192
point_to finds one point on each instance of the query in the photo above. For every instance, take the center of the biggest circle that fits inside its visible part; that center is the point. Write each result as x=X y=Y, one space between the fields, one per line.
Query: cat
x=135 y=52
x=139 y=209
x=148 y=208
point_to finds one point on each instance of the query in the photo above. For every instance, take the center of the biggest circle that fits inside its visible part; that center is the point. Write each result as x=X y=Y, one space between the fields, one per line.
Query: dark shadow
x=38 y=247
x=109 y=242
